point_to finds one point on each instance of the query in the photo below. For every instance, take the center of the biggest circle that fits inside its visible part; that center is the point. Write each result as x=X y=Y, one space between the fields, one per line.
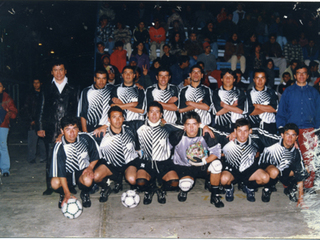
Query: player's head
x=70 y=127
x=290 y=134
x=116 y=117
x=228 y=78
x=242 y=129
x=260 y=79
x=163 y=76
x=196 y=73
x=128 y=75
x=58 y=70
x=154 y=111
x=100 y=78
x=191 y=122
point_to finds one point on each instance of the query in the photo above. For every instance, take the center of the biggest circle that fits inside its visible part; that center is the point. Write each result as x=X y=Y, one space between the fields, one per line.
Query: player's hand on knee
x=88 y=172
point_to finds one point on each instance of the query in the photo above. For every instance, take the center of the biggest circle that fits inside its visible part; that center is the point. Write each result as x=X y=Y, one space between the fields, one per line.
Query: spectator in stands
x=276 y=28
x=234 y=53
x=238 y=14
x=141 y=55
x=142 y=77
x=293 y=51
x=209 y=34
x=153 y=71
x=176 y=45
x=177 y=28
x=167 y=59
x=207 y=58
x=119 y=56
x=100 y=52
x=313 y=72
x=261 y=30
x=193 y=47
x=141 y=34
x=222 y=15
x=273 y=51
x=310 y=52
x=112 y=75
x=246 y=27
x=249 y=45
x=158 y=14
x=311 y=29
x=286 y=82
x=133 y=61
x=202 y=16
x=157 y=39
x=227 y=27
x=141 y=14
x=175 y=18
x=238 y=83
x=303 y=41
x=106 y=65
x=105 y=33
x=256 y=60
x=180 y=71
x=124 y=35
x=107 y=11
x=269 y=69
x=291 y=68
x=188 y=17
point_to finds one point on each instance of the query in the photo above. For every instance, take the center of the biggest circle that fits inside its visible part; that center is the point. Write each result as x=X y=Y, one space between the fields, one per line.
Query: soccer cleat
x=94 y=189
x=161 y=196
x=291 y=193
x=229 y=194
x=182 y=196
x=215 y=199
x=104 y=194
x=60 y=200
x=266 y=193
x=222 y=190
x=117 y=187
x=85 y=197
x=148 y=197
x=273 y=188
x=250 y=194
x=48 y=191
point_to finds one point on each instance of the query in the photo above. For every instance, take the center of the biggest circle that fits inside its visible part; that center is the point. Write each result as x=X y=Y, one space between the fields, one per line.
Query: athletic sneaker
x=104 y=194
x=148 y=197
x=161 y=196
x=85 y=197
x=291 y=193
x=266 y=193
x=60 y=200
x=273 y=188
x=215 y=199
x=229 y=194
x=94 y=189
x=117 y=187
x=182 y=196
x=250 y=194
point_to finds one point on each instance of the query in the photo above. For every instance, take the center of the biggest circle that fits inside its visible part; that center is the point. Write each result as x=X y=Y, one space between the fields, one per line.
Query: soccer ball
x=72 y=209
x=130 y=199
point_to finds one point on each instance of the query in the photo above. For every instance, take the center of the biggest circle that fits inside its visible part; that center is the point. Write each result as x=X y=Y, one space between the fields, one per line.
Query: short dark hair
x=260 y=70
x=196 y=66
x=242 y=122
x=300 y=66
x=191 y=115
x=182 y=59
x=137 y=69
x=294 y=61
x=228 y=70
x=128 y=67
x=70 y=120
x=116 y=109
x=166 y=45
x=155 y=104
x=37 y=78
x=101 y=71
x=163 y=69
x=118 y=44
x=291 y=126
x=100 y=43
x=58 y=62
x=286 y=73
x=313 y=64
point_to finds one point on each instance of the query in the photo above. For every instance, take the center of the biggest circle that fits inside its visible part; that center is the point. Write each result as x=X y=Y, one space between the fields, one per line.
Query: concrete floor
x=25 y=212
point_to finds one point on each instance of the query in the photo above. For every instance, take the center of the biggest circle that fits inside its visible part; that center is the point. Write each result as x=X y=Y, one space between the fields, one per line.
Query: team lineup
x=163 y=138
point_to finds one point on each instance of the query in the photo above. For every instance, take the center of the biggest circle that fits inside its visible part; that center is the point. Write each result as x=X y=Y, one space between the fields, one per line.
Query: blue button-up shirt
x=299 y=105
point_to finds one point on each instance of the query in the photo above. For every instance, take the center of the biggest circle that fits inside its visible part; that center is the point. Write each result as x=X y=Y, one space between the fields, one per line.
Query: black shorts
x=192 y=171
x=241 y=176
x=73 y=178
x=157 y=169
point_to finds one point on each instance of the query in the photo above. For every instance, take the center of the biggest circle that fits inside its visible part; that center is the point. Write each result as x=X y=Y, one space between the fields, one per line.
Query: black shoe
x=73 y=190
x=48 y=191
x=104 y=194
x=117 y=187
x=273 y=188
x=215 y=199
x=94 y=189
x=161 y=196
x=291 y=193
x=222 y=190
x=250 y=194
x=229 y=194
x=207 y=185
x=5 y=174
x=182 y=196
x=85 y=197
x=266 y=193
x=60 y=200
x=148 y=197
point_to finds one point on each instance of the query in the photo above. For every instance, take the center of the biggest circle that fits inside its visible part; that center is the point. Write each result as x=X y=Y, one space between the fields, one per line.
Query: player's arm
x=171 y=105
x=186 y=109
x=259 y=108
x=139 y=106
x=300 y=195
x=231 y=108
x=198 y=105
x=84 y=124
x=66 y=191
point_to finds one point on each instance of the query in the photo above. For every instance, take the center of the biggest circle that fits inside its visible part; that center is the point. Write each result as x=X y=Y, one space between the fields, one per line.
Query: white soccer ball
x=72 y=209
x=130 y=199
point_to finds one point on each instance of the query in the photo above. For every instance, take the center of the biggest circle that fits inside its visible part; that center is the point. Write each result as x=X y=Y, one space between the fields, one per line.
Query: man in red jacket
x=157 y=39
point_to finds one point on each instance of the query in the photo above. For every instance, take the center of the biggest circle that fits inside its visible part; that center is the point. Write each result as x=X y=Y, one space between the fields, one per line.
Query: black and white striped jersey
x=129 y=95
x=226 y=121
x=119 y=149
x=153 y=138
x=154 y=93
x=198 y=94
x=283 y=158
x=71 y=157
x=94 y=105
x=181 y=142
x=265 y=97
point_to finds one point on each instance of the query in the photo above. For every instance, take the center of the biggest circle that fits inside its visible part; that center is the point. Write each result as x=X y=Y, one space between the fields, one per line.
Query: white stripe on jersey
x=55 y=159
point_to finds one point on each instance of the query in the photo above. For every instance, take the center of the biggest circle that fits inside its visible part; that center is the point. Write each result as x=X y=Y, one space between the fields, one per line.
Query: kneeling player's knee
x=86 y=181
x=186 y=184
x=55 y=183
x=225 y=180
x=274 y=173
x=215 y=167
x=173 y=182
x=264 y=178
x=131 y=180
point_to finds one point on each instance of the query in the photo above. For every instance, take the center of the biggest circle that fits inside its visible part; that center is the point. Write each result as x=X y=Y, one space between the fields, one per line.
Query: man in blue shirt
x=180 y=70
x=300 y=104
